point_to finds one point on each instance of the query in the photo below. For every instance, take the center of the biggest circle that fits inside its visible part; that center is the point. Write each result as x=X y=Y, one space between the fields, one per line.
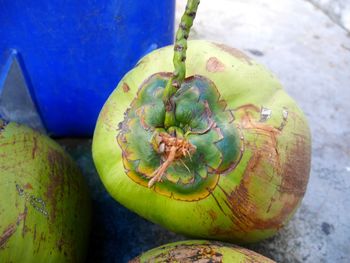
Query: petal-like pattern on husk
x=205 y=122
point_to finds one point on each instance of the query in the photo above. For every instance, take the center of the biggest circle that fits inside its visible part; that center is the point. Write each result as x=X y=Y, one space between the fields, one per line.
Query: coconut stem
x=179 y=59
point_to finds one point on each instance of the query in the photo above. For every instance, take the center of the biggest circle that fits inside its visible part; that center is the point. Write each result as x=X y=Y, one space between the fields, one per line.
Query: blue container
x=73 y=53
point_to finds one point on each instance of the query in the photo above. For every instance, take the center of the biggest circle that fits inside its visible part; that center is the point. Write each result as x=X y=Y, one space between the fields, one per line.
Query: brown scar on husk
x=294 y=175
x=235 y=53
x=212 y=214
x=6 y=235
x=294 y=180
x=247 y=107
x=298 y=163
x=215 y=65
x=125 y=87
x=190 y=253
x=248 y=123
x=35 y=146
x=54 y=193
x=27 y=186
x=11 y=229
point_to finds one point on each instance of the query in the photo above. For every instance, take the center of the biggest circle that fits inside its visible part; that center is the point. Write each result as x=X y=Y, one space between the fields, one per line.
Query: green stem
x=180 y=48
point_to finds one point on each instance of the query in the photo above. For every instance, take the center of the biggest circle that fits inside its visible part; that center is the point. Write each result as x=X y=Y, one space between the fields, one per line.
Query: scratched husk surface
x=246 y=197
x=44 y=203
x=200 y=251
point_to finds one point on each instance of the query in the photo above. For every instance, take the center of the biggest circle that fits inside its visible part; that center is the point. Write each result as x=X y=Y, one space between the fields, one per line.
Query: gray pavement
x=337 y=10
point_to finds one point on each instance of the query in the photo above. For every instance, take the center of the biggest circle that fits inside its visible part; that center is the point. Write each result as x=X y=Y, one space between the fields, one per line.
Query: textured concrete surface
x=337 y=10
x=311 y=56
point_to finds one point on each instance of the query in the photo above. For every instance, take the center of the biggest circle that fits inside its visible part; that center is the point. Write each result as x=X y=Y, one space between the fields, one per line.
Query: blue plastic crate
x=73 y=53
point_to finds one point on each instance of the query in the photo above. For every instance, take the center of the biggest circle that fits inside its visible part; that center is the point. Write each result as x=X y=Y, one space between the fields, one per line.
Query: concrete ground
x=337 y=10
x=310 y=54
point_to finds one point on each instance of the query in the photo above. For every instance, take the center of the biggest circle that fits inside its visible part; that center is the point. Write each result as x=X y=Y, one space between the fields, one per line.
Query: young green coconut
x=216 y=149
x=44 y=203
x=200 y=251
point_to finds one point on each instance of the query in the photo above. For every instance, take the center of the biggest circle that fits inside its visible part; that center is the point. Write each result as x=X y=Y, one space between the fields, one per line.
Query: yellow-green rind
x=261 y=194
x=200 y=251
x=44 y=207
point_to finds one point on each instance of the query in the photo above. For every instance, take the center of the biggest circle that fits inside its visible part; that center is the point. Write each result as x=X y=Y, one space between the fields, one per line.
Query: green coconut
x=200 y=251
x=214 y=149
x=44 y=207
